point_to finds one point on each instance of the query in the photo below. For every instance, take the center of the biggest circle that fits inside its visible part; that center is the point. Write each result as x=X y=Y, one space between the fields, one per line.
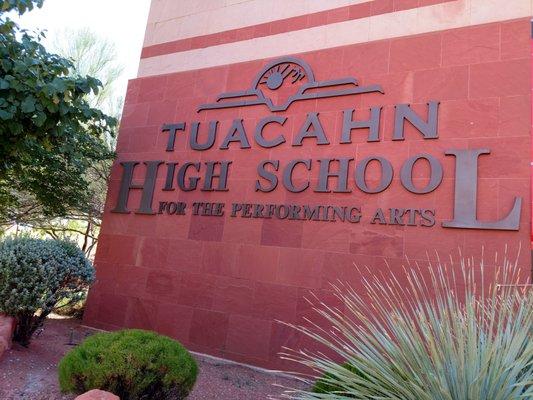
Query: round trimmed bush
x=35 y=276
x=133 y=364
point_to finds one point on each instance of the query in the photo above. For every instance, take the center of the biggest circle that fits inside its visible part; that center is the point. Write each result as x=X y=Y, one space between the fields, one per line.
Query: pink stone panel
x=209 y=329
x=97 y=394
x=249 y=336
x=472 y=45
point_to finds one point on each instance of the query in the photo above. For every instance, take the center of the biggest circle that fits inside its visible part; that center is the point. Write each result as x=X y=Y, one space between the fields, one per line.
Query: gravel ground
x=30 y=374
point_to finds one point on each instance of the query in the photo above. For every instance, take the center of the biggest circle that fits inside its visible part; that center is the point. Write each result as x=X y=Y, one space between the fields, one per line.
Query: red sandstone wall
x=6 y=333
x=218 y=284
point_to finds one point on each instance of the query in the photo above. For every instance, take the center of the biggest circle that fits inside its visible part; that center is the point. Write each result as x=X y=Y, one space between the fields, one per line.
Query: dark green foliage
x=71 y=309
x=20 y=6
x=323 y=386
x=37 y=274
x=49 y=134
x=133 y=364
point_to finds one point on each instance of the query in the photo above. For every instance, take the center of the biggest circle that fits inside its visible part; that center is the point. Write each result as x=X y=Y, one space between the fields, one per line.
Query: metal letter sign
x=297 y=79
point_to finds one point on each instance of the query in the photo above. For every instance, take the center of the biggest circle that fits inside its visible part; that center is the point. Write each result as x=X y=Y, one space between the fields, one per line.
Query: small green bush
x=67 y=308
x=37 y=274
x=327 y=383
x=133 y=364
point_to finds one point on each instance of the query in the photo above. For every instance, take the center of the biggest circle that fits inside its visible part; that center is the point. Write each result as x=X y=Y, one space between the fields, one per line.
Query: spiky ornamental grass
x=444 y=334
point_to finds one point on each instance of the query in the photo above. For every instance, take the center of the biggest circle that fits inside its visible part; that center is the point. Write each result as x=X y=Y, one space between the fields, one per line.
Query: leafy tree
x=50 y=134
x=91 y=55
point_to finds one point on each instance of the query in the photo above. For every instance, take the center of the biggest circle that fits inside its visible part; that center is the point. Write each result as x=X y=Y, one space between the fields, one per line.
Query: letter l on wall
x=465 y=206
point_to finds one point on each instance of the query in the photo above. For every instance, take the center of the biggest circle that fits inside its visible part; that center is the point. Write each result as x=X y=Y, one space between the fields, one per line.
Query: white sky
x=123 y=22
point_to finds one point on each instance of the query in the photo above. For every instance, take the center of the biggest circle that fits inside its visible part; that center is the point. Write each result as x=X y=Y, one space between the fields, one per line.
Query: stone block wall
x=219 y=284
x=7 y=325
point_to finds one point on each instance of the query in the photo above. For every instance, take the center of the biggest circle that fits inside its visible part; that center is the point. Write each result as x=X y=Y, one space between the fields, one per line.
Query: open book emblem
x=285 y=81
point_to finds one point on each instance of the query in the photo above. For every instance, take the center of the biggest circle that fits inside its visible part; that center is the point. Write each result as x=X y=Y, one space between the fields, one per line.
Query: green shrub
x=447 y=332
x=35 y=275
x=327 y=383
x=68 y=308
x=133 y=364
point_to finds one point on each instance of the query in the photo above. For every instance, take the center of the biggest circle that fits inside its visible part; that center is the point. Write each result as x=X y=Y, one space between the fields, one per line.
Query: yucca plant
x=449 y=331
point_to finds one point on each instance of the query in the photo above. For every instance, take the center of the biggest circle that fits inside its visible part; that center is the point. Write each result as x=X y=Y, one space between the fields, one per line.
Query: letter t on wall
x=172 y=128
